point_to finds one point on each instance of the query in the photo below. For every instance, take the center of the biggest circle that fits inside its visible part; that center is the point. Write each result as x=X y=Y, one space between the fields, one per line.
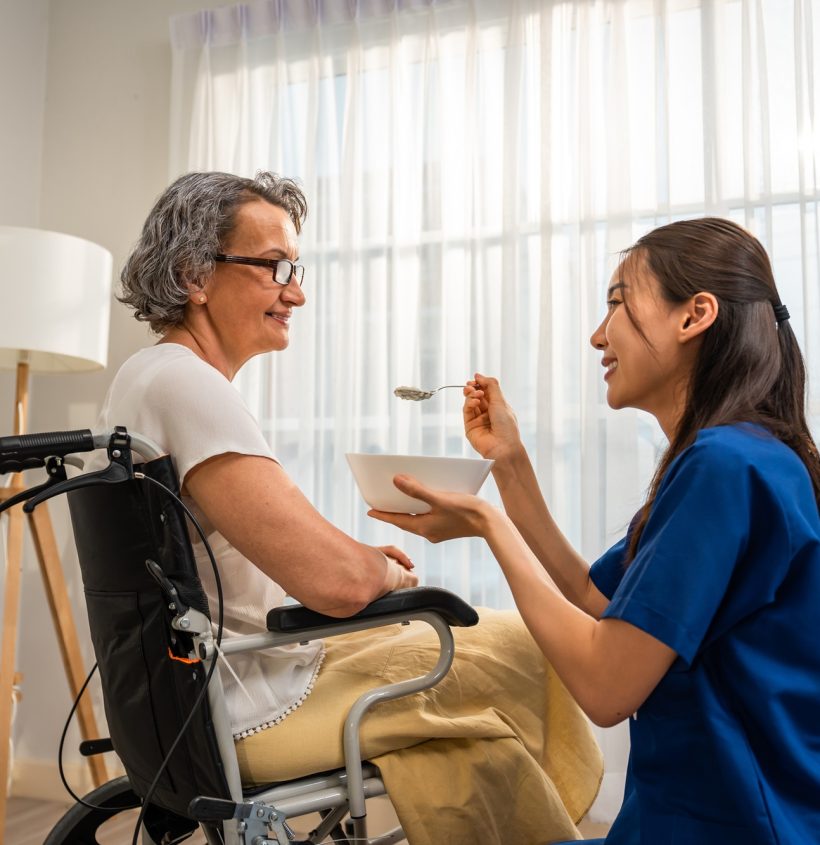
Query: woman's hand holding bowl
x=452 y=514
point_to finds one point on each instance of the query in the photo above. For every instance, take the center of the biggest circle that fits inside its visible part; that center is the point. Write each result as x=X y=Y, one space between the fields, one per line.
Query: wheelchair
x=157 y=647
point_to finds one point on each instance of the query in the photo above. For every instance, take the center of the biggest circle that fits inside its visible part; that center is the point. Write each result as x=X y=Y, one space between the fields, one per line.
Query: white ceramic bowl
x=374 y=475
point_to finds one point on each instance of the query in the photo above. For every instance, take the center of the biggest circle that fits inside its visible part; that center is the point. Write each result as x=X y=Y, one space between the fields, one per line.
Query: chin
x=614 y=402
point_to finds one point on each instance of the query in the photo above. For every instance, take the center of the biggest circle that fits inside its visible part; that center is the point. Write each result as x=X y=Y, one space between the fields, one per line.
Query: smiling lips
x=611 y=365
x=281 y=318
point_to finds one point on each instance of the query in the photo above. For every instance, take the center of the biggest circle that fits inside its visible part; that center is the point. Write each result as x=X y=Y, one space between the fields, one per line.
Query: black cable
x=68 y=789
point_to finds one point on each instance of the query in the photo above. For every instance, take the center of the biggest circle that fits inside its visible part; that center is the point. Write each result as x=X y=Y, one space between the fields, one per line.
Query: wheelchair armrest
x=454 y=610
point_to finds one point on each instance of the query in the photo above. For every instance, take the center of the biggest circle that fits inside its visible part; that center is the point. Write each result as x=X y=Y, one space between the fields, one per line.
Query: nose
x=293 y=293
x=598 y=337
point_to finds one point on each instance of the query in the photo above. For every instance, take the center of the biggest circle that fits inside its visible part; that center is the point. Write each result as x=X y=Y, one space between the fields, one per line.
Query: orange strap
x=182 y=659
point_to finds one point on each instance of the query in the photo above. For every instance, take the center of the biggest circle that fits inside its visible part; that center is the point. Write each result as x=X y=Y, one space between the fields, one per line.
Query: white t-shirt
x=167 y=393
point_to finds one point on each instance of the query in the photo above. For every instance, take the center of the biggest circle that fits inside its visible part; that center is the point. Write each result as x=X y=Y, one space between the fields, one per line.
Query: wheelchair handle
x=29 y=451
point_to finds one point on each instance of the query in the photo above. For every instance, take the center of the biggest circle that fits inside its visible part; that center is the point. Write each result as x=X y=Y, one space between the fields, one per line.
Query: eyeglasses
x=283 y=270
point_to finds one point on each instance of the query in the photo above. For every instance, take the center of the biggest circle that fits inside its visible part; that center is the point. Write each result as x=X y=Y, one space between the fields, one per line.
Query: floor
x=28 y=821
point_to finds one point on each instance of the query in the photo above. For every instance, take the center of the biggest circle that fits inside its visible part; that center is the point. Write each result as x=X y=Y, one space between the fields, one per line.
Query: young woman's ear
x=700 y=312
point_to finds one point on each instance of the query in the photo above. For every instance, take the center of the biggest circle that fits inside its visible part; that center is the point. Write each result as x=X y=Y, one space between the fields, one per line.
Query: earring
x=202 y=299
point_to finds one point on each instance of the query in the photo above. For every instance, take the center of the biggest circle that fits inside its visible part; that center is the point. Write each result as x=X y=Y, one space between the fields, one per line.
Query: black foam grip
x=28 y=451
x=205 y=809
x=454 y=610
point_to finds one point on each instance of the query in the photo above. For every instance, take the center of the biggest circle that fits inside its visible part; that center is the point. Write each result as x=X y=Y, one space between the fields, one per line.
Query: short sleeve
x=196 y=413
x=607 y=572
x=696 y=534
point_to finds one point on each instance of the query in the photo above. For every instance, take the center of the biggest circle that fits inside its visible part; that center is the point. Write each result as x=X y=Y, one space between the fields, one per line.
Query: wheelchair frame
x=257 y=816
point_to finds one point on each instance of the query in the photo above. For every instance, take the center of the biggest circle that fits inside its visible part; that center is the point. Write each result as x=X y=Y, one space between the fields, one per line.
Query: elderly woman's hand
x=452 y=514
x=396 y=554
x=399 y=573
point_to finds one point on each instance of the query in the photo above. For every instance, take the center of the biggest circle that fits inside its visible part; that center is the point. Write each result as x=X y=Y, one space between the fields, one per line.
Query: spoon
x=417 y=394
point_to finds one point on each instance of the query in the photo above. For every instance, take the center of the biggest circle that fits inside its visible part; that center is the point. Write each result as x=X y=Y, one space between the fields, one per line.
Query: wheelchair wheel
x=83 y=825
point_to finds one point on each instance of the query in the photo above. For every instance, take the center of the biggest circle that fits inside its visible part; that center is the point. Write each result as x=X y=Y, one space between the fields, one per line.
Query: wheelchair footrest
x=254 y=818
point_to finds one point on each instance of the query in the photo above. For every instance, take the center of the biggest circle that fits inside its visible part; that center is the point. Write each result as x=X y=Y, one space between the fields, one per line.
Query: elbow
x=605 y=719
x=605 y=714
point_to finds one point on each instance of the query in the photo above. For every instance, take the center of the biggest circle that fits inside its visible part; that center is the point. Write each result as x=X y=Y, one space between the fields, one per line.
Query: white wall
x=86 y=152
x=23 y=46
x=23 y=50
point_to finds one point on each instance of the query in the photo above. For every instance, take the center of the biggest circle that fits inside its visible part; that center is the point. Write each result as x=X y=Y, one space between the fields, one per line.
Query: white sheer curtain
x=473 y=168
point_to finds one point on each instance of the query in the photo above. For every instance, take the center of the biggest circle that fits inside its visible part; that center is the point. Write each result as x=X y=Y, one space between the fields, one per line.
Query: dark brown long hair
x=749 y=368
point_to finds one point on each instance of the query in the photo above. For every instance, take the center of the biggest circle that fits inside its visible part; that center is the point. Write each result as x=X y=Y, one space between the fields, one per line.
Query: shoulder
x=734 y=448
x=745 y=461
x=174 y=373
x=169 y=359
x=164 y=385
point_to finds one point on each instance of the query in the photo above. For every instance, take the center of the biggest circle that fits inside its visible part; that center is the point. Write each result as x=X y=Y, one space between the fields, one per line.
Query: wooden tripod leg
x=11 y=608
x=54 y=579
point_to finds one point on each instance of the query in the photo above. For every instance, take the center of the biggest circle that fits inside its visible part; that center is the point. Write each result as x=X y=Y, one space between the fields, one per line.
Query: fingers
x=489 y=385
x=397 y=577
x=398 y=555
x=475 y=403
x=405 y=521
x=411 y=487
x=472 y=409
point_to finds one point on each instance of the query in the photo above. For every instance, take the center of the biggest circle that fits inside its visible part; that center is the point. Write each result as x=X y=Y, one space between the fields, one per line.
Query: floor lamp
x=55 y=293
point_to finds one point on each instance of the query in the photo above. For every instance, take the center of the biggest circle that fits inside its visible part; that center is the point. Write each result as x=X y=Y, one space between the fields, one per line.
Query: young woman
x=699 y=625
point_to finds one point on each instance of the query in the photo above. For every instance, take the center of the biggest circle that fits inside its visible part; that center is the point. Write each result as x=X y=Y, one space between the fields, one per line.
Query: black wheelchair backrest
x=149 y=679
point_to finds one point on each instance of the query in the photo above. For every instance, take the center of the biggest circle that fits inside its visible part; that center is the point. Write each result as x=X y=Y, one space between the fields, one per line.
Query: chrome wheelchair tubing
x=224 y=741
x=355 y=785
x=253 y=642
x=321 y=799
x=311 y=783
x=387 y=693
x=144 y=446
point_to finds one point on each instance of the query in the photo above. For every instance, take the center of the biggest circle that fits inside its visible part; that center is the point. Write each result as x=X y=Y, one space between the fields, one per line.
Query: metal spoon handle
x=417 y=394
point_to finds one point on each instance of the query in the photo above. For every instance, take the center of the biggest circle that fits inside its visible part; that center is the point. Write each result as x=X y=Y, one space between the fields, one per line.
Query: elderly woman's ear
x=197 y=295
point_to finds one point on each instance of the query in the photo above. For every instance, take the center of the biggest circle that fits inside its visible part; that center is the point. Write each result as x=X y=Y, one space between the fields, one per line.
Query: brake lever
x=114 y=473
x=120 y=469
x=56 y=472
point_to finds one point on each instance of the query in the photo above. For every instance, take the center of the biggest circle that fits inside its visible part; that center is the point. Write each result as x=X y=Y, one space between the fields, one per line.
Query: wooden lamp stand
x=42 y=533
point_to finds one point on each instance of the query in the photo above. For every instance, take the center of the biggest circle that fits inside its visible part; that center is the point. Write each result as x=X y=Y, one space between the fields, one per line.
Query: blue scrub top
x=726 y=749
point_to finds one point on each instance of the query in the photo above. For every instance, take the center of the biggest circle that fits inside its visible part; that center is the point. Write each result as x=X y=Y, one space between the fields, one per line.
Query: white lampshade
x=55 y=301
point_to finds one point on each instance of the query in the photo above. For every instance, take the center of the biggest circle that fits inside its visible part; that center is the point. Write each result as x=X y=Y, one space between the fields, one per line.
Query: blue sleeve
x=697 y=531
x=606 y=573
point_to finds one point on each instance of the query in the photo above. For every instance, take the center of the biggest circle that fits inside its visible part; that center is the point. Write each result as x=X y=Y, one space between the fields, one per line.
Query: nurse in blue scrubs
x=699 y=626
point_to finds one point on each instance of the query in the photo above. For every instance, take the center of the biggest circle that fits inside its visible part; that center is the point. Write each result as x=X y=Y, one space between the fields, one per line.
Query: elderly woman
x=498 y=751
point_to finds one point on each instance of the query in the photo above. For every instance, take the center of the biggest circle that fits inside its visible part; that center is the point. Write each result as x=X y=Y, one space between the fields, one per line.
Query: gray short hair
x=185 y=229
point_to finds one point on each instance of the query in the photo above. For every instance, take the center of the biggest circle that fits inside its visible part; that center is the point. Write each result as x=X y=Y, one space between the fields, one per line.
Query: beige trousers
x=498 y=752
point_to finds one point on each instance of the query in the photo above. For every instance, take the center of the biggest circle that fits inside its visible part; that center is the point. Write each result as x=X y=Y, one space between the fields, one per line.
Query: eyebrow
x=278 y=253
x=618 y=286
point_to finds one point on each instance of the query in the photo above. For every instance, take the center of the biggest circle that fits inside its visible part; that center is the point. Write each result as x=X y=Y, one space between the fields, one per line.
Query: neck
x=203 y=346
x=670 y=412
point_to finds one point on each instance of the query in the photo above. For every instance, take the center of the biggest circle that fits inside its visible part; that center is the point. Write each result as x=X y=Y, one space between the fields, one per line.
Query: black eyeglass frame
x=296 y=270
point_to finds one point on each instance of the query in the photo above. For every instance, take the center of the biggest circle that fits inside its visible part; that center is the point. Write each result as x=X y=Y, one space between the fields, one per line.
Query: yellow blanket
x=498 y=752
